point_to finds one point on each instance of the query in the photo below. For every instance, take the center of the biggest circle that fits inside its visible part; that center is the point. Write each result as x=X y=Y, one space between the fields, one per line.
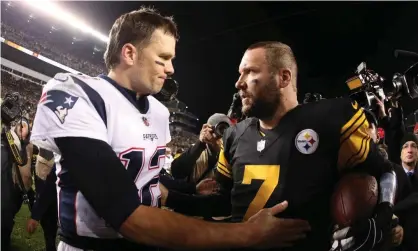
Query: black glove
x=366 y=234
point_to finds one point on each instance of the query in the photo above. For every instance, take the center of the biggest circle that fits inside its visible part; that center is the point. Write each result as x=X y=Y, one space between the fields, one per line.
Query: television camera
x=367 y=84
x=169 y=90
x=11 y=110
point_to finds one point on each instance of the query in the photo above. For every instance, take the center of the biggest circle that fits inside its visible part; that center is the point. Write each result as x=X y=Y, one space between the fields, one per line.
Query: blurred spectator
x=168 y=159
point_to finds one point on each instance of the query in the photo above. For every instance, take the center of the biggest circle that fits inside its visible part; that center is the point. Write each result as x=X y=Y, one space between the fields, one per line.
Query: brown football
x=354 y=198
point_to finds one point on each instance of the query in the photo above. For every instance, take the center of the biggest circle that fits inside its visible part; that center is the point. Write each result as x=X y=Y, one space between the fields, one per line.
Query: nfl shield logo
x=145 y=120
x=260 y=145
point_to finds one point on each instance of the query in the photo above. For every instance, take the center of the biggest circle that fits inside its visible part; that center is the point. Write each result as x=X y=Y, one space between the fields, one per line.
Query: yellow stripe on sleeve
x=350 y=126
x=223 y=166
x=354 y=141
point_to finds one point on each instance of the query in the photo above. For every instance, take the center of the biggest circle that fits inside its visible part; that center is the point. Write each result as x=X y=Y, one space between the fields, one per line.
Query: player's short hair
x=136 y=27
x=278 y=55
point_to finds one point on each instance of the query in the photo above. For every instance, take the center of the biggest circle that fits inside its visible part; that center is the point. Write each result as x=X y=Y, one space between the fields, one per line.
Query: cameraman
x=196 y=165
x=192 y=171
x=197 y=162
x=15 y=179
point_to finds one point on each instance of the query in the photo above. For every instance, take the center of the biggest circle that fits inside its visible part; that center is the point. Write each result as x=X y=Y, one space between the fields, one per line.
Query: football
x=354 y=198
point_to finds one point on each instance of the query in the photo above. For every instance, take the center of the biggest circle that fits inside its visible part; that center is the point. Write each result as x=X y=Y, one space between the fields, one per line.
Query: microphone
x=234 y=111
x=402 y=54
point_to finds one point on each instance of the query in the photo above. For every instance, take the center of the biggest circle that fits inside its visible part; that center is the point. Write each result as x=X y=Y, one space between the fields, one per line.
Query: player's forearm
x=195 y=205
x=163 y=228
x=25 y=171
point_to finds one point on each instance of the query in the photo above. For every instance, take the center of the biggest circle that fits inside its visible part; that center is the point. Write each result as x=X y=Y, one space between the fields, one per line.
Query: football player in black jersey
x=286 y=151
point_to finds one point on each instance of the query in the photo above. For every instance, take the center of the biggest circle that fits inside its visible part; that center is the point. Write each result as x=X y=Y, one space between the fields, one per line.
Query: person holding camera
x=16 y=179
x=192 y=171
x=196 y=165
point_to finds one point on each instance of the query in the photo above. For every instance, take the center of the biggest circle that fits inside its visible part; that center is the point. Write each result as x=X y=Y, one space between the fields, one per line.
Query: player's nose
x=169 y=68
x=240 y=84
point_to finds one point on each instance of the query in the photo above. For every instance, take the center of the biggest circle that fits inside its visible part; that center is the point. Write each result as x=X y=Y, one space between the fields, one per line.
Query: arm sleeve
x=178 y=185
x=68 y=108
x=223 y=172
x=182 y=166
x=215 y=205
x=46 y=196
x=357 y=150
x=98 y=173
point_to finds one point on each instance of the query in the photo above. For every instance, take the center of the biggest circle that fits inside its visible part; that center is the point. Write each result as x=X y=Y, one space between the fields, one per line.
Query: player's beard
x=265 y=105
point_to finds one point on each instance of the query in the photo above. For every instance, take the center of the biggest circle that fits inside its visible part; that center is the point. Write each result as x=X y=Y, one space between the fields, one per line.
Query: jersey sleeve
x=357 y=150
x=223 y=167
x=68 y=107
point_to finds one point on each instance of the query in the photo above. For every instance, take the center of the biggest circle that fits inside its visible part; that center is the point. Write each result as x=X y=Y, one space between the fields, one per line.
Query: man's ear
x=285 y=76
x=128 y=54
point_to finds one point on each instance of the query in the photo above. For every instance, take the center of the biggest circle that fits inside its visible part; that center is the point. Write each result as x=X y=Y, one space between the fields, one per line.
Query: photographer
x=15 y=165
x=192 y=171
x=187 y=165
x=196 y=165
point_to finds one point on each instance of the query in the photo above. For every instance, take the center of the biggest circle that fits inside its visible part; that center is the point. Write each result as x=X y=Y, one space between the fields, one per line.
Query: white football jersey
x=97 y=108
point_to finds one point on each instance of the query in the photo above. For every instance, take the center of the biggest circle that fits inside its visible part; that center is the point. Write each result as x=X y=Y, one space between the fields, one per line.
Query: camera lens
x=220 y=128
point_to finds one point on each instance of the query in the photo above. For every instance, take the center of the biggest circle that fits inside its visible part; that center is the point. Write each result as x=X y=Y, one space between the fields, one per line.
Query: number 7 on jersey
x=270 y=176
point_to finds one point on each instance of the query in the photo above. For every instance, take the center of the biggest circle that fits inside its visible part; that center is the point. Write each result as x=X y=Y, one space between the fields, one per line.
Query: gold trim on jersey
x=354 y=141
x=223 y=166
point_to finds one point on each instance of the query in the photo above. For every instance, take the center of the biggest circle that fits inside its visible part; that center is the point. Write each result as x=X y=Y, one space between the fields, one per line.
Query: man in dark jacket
x=406 y=207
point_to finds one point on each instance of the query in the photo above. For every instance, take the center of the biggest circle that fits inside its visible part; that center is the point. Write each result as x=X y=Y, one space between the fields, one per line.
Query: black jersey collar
x=272 y=135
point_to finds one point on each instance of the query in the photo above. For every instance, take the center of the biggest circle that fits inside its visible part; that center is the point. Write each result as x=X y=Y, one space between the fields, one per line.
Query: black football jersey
x=300 y=161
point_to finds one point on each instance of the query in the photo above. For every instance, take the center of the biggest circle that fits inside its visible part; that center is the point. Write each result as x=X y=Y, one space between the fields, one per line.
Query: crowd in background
x=39 y=43
x=30 y=92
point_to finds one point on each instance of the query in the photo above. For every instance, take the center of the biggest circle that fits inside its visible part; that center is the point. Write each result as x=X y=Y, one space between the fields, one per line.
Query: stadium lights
x=50 y=8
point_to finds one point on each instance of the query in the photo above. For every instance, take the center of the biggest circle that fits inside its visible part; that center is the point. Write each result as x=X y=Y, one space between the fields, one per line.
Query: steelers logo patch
x=307 y=141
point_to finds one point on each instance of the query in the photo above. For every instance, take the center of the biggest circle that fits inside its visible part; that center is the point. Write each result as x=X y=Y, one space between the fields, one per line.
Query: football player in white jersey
x=109 y=136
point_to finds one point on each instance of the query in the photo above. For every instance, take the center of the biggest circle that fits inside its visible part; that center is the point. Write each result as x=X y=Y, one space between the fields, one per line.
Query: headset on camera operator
x=15 y=164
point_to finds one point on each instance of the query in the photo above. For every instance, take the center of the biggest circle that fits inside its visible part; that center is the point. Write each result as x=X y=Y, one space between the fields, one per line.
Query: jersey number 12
x=134 y=161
